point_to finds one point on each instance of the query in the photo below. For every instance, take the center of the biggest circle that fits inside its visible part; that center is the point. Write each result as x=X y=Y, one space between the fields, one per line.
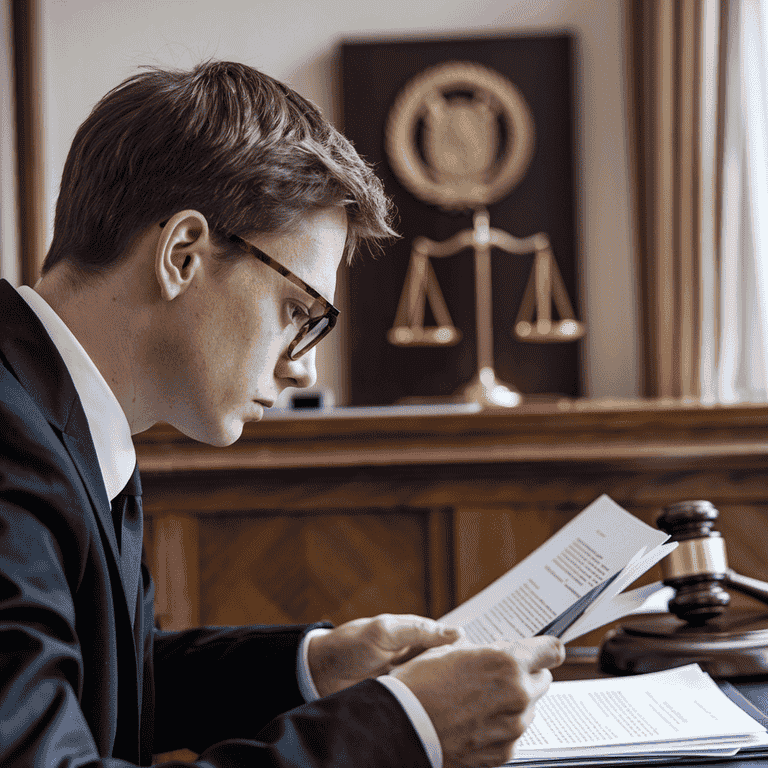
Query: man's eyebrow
x=314 y=302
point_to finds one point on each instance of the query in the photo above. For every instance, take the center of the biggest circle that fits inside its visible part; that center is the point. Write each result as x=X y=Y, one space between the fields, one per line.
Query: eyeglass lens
x=311 y=336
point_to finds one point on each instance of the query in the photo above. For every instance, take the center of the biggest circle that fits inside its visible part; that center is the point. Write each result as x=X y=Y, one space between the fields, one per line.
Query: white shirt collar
x=109 y=426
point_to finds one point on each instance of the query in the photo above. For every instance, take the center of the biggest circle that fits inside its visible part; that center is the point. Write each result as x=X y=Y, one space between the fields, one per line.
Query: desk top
x=557 y=431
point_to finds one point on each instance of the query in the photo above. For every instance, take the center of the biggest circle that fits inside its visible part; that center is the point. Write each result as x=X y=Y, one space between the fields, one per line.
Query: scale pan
x=545 y=331
x=433 y=336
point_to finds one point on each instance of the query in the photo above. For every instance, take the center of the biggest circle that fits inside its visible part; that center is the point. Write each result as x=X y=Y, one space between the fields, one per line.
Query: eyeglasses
x=316 y=328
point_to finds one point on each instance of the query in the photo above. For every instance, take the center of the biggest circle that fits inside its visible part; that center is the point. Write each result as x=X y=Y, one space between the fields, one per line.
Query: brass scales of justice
x=462 y=163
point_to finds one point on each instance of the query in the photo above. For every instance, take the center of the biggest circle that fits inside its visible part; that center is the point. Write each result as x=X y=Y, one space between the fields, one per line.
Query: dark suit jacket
x=78 y=685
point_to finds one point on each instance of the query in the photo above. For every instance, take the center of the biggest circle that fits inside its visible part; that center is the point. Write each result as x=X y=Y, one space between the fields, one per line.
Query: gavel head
x=698 y=565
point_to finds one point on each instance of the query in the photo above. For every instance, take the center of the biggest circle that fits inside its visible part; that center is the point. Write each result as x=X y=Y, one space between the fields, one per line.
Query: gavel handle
x=752 y=587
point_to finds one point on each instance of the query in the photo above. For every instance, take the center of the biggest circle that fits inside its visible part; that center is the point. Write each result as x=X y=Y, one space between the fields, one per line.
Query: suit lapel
x=37 y=364
x=27 y=350
x=80 y=447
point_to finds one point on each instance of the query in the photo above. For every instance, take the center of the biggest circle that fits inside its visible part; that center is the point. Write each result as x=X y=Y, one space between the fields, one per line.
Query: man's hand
x=371 y=647
x=481 y=698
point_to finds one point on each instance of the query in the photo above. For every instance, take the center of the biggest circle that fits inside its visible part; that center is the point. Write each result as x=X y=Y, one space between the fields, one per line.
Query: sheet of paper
x=678 y=708
x=651 y=598
x=592 y=548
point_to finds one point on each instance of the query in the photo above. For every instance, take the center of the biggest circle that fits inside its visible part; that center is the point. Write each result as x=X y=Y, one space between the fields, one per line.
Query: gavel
x=698 y=568
x=724 y=643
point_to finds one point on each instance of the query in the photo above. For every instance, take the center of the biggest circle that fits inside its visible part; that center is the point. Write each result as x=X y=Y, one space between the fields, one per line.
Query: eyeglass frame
x=330 y=314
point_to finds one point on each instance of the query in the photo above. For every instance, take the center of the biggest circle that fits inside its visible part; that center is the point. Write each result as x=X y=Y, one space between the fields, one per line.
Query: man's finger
x=493 y=754
x=395 y=633
x=549 y=652
x=536 y=653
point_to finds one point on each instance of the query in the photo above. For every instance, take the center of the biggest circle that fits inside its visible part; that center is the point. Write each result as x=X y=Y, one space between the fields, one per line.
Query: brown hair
x=245 y=150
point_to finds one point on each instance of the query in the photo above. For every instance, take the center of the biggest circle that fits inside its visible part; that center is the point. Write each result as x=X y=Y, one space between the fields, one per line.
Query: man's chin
x=217 y=435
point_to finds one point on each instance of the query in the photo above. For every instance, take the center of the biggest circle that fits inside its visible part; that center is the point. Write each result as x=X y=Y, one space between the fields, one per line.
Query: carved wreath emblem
x=459 y=135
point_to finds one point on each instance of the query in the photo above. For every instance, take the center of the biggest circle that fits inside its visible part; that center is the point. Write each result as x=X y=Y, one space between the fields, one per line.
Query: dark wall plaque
x=543 y=201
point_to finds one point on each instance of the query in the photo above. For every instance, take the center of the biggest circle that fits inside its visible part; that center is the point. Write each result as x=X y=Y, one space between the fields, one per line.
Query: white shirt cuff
x=418 y=717
x=306 y=683
x=408 y=701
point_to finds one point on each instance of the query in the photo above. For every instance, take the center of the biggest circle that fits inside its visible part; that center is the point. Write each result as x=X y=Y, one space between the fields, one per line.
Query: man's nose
x=300 y=373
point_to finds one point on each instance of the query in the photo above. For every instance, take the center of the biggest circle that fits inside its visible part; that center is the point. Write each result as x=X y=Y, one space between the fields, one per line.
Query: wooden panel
x=745 y=529
x=489 y=541
x=176 y=571
x=294 y=569
x=422 y=512
x=501 y=514
x=441 y=585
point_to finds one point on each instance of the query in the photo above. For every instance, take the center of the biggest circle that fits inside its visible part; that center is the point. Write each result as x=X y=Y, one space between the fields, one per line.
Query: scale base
x=733 y=645
x=486 y=390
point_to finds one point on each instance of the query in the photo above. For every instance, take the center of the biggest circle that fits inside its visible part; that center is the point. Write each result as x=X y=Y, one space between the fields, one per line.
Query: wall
x=90 y=46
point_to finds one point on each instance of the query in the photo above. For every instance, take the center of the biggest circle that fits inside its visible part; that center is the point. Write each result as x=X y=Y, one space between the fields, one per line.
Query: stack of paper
x=659 y=717
x=574 y=582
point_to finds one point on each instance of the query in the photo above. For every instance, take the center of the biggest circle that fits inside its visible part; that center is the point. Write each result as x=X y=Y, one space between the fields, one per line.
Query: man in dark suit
x=201 y=221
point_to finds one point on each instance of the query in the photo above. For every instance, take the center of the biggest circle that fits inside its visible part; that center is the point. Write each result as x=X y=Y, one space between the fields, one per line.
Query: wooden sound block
x=732 y=645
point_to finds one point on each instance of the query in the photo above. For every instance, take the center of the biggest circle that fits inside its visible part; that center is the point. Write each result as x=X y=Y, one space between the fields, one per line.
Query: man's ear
x=183 y=243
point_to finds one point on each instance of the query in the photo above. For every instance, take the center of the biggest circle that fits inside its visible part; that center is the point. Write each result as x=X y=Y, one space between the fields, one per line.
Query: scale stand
x=544 y=287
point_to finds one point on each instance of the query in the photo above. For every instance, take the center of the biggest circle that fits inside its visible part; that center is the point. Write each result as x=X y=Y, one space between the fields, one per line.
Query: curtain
x=665 y=49
x=699 y=110
x=734 y=366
